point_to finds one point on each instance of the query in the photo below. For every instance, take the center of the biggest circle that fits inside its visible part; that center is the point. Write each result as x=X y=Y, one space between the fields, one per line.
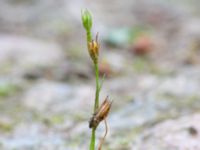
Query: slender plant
x=93 y=49
x=100 y=113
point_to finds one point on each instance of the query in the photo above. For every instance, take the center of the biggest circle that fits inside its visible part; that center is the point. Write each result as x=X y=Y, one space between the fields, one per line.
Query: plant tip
x=86 y=19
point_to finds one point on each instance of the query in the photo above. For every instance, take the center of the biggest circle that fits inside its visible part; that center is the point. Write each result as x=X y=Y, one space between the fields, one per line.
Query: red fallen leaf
x=105 y=69
x=142 y=45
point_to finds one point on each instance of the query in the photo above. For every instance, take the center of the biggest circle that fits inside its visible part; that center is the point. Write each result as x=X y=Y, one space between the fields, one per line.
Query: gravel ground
x=47 y=83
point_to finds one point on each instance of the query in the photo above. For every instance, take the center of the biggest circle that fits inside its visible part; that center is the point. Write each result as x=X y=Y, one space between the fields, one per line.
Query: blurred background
x=150 y=53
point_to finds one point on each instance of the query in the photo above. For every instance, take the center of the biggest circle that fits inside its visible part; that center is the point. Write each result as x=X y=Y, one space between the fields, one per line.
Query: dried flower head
x=100 y=114
x=93 y=48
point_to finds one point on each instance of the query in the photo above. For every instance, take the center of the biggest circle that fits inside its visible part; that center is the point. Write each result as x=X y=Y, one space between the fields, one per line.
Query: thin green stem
x=92 y=142
x=96 y=105
x=89 y=36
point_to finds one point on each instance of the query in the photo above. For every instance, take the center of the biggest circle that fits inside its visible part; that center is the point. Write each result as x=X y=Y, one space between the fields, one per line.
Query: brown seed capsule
x=100 y=114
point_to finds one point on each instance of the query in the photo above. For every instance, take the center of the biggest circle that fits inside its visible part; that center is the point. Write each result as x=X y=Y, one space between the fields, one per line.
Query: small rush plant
x=99 y=112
